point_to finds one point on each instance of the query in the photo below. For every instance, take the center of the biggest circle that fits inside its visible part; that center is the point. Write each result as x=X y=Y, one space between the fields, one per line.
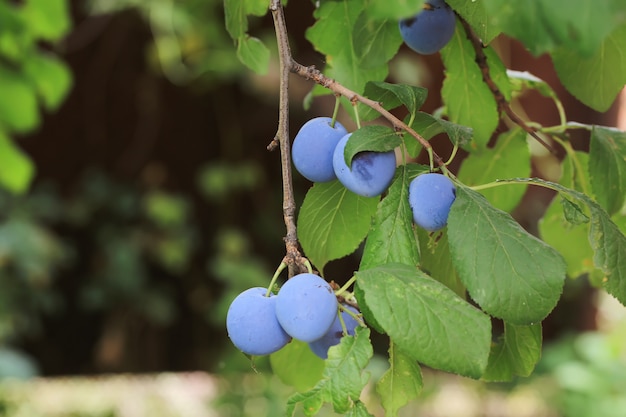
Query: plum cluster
x=318 y=154
x=305 y=309
x=430 y=29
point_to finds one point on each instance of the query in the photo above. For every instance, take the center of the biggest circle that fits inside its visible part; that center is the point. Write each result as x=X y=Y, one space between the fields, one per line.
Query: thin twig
x=294 y=260
x=503 y=104
x=315 y=75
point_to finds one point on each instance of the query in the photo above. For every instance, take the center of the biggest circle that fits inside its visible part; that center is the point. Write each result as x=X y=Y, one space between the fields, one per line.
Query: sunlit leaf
x=254 y=54
x=607 y=167
x=595 y=80
x=302 y=377
x=401 y=383
x=516 y=353
x=16 y=168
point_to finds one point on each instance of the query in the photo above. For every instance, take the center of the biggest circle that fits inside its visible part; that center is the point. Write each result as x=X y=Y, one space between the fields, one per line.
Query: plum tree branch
x=289 y=64
x=293 y=258
x=501 y=101
x=313 y=74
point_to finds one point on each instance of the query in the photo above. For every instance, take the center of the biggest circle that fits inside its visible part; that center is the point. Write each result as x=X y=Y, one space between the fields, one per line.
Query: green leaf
x=428 y=126
x=543 y=25
x=254 y=54
x=374 y=138
x=467 y=98
x=510 y=157
x=573 y=213
x=236 y=18
x=511 y=274
x=51 y=77
x=609 y=246
x=401 y=383
x=357 y=47
x=392 y=95
x=392 y=237
x=498 y=72
x=358 y=410
x=425 y=319
x=559 y=232
x=333 y=221
x=16 y=168
x=373 y=38
x=607 y=167
x=555 y=230
x=436 y=260
x=394 y=9
x=475 y=14
x=257 y=7
x=343 y=378
x=48 y=19
x=515 y=354
x=329 y=34
x=18 y=102
x=302 y=377
x=606 y=239
x=387 y=99
x=598 y=79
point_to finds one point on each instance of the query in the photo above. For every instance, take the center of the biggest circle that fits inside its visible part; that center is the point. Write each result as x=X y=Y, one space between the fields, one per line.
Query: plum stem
x=356 y=115
x=345 y=287
x=455 y=149
x=355 y=316
x=280 y=269
x=335 y=111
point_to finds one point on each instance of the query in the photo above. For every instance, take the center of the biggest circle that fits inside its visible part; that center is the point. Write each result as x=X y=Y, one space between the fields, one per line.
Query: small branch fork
x=503 y=105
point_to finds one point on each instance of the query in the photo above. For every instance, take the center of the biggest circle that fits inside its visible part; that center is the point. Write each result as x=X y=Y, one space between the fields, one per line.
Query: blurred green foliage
x=585 y=374
x=30 y=77
x=128 y=231
x=190 y=43
x=104 y=246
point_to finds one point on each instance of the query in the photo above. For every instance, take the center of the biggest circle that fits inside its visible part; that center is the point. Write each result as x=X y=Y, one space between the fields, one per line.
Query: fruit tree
x=441 y=257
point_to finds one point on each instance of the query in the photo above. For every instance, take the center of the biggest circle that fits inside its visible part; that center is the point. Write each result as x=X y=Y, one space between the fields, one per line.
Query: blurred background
x=154 y=202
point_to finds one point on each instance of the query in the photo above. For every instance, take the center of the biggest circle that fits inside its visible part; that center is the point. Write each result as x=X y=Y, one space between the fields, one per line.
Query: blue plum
x=252 y=325
x=371 y=173
x=430 y=198
x=306 y=307
x=313 y=147
x=335 y=333
x=430 y=29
